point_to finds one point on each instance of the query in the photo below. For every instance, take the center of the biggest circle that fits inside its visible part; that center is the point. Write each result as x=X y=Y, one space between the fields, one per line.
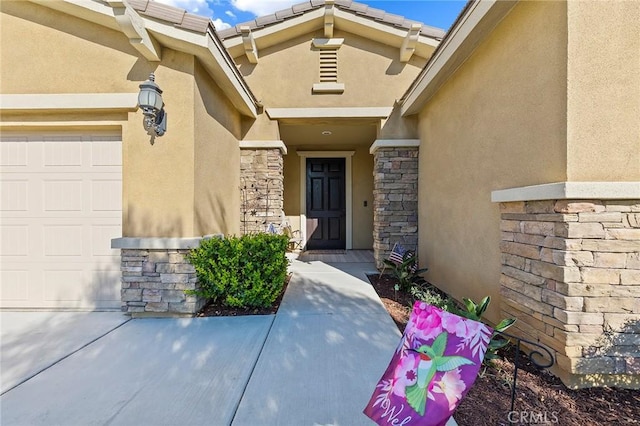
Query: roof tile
x=348 y=5
x=377 y=14
x=165 y=12
x=194 y=23
x=139 y=5
x=358 y=8
x=396 y=20
x=229 y=32
x=344 y=3
x=301 y=7
x=263 y=21
x=286 y=13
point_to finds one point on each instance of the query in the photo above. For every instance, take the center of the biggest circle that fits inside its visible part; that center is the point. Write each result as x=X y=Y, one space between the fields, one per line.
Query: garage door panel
x=101 y=236
x=59 y=196
x=62 y=195
x=14 y=195
x=13 y=152
x=14 y=285
x=14 y=240
x=60 y=152
x=62 y=240
x=106 y=195
x=65 y=285
x=103 y=287
x=82 y=285
x=60 y=207
x=106 y=154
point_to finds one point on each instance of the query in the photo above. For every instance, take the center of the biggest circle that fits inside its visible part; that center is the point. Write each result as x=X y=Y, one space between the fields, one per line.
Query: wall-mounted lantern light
x=152 y=105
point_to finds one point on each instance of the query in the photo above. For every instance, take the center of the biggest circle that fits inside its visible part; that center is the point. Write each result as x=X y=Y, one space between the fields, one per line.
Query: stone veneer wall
x=154 y=282
x=395 y=200
x=261 y=189
x=571 y=276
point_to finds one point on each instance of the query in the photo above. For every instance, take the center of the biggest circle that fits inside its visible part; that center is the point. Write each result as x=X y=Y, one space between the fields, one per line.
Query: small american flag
x=271 y=229
x=397 y=253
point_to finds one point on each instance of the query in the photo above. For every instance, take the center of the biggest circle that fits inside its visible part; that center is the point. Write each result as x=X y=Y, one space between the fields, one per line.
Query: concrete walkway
x=314 y=363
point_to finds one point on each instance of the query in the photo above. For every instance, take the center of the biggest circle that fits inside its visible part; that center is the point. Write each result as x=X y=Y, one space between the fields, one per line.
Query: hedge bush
x=247 y=271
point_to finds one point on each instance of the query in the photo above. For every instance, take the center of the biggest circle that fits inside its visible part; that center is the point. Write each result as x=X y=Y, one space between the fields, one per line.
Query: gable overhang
x=314 y=20
x=353 y=113
x=156 y=34
x=475 y=23
x=275 y=34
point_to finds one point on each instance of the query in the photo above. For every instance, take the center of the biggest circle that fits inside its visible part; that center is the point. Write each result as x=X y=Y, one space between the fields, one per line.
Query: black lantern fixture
x=152 y=105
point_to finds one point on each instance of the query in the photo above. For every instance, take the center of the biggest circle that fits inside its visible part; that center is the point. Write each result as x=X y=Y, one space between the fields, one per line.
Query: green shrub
x=429 y=294
x=406 y=272
x=474 y=311
x=247 y=271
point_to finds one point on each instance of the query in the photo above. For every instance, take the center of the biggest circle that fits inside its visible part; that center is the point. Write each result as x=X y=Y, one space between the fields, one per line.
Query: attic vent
x=328 y=65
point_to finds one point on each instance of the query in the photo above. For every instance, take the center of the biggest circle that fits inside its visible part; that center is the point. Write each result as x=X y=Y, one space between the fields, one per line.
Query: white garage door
x=60 y=205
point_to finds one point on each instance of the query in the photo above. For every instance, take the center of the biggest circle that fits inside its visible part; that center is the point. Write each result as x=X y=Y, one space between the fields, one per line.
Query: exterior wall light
x=152 y=106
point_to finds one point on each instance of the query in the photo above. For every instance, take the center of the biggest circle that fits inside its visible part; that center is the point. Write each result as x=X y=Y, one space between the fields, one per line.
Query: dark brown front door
x=326 y=211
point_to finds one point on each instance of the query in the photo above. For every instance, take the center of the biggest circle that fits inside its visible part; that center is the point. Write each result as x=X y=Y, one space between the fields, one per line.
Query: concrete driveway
x=316 y=362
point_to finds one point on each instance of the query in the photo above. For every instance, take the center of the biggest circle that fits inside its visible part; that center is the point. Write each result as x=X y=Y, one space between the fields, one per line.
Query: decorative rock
x=590 y=270
x=159 y=287
x=395 y=207
x=262 y=191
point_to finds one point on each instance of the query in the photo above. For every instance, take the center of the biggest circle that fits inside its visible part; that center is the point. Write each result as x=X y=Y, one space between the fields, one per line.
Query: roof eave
x=206 y=46
x=477 y=21
x=345 y=20
x=209 y=50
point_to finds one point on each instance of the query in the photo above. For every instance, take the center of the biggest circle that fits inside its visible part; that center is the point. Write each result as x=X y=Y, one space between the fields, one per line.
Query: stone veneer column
x=155 y=275
x=395 y=196
x=261 y=185
x=571 y=276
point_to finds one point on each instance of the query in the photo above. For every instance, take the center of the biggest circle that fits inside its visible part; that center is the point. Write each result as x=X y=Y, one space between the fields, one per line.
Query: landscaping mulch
x=541 y=398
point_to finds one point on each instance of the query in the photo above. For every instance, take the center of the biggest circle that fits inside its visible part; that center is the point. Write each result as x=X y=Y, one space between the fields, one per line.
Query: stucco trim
x=275 y=144
x=354 y=112
x=347 y=155
x=328 y=88
x=302 y=19
x=159 y=243
x=131 y=25
x=69 y=101
x=328 y=43
x=393 y=143
x=479 y=19
x=570 y=191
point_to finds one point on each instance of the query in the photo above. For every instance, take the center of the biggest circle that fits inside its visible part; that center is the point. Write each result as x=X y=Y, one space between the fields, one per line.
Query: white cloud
x=262 y=7
x=230 y=14
x=220 y=25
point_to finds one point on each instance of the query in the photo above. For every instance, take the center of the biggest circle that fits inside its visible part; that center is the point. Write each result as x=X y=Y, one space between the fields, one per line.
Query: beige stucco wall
x=43 y=51
x=217 y=159
x=603 y=125
x=285 y=73
x=499 y=122
x=167 y=191
x=362 y=175
x=158 y=179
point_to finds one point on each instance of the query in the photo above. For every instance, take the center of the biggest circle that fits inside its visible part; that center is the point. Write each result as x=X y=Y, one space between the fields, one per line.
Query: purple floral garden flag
x=433 y=368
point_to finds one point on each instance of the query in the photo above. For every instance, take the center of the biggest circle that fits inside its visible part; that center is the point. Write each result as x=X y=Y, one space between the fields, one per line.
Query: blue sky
x=226 y=13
